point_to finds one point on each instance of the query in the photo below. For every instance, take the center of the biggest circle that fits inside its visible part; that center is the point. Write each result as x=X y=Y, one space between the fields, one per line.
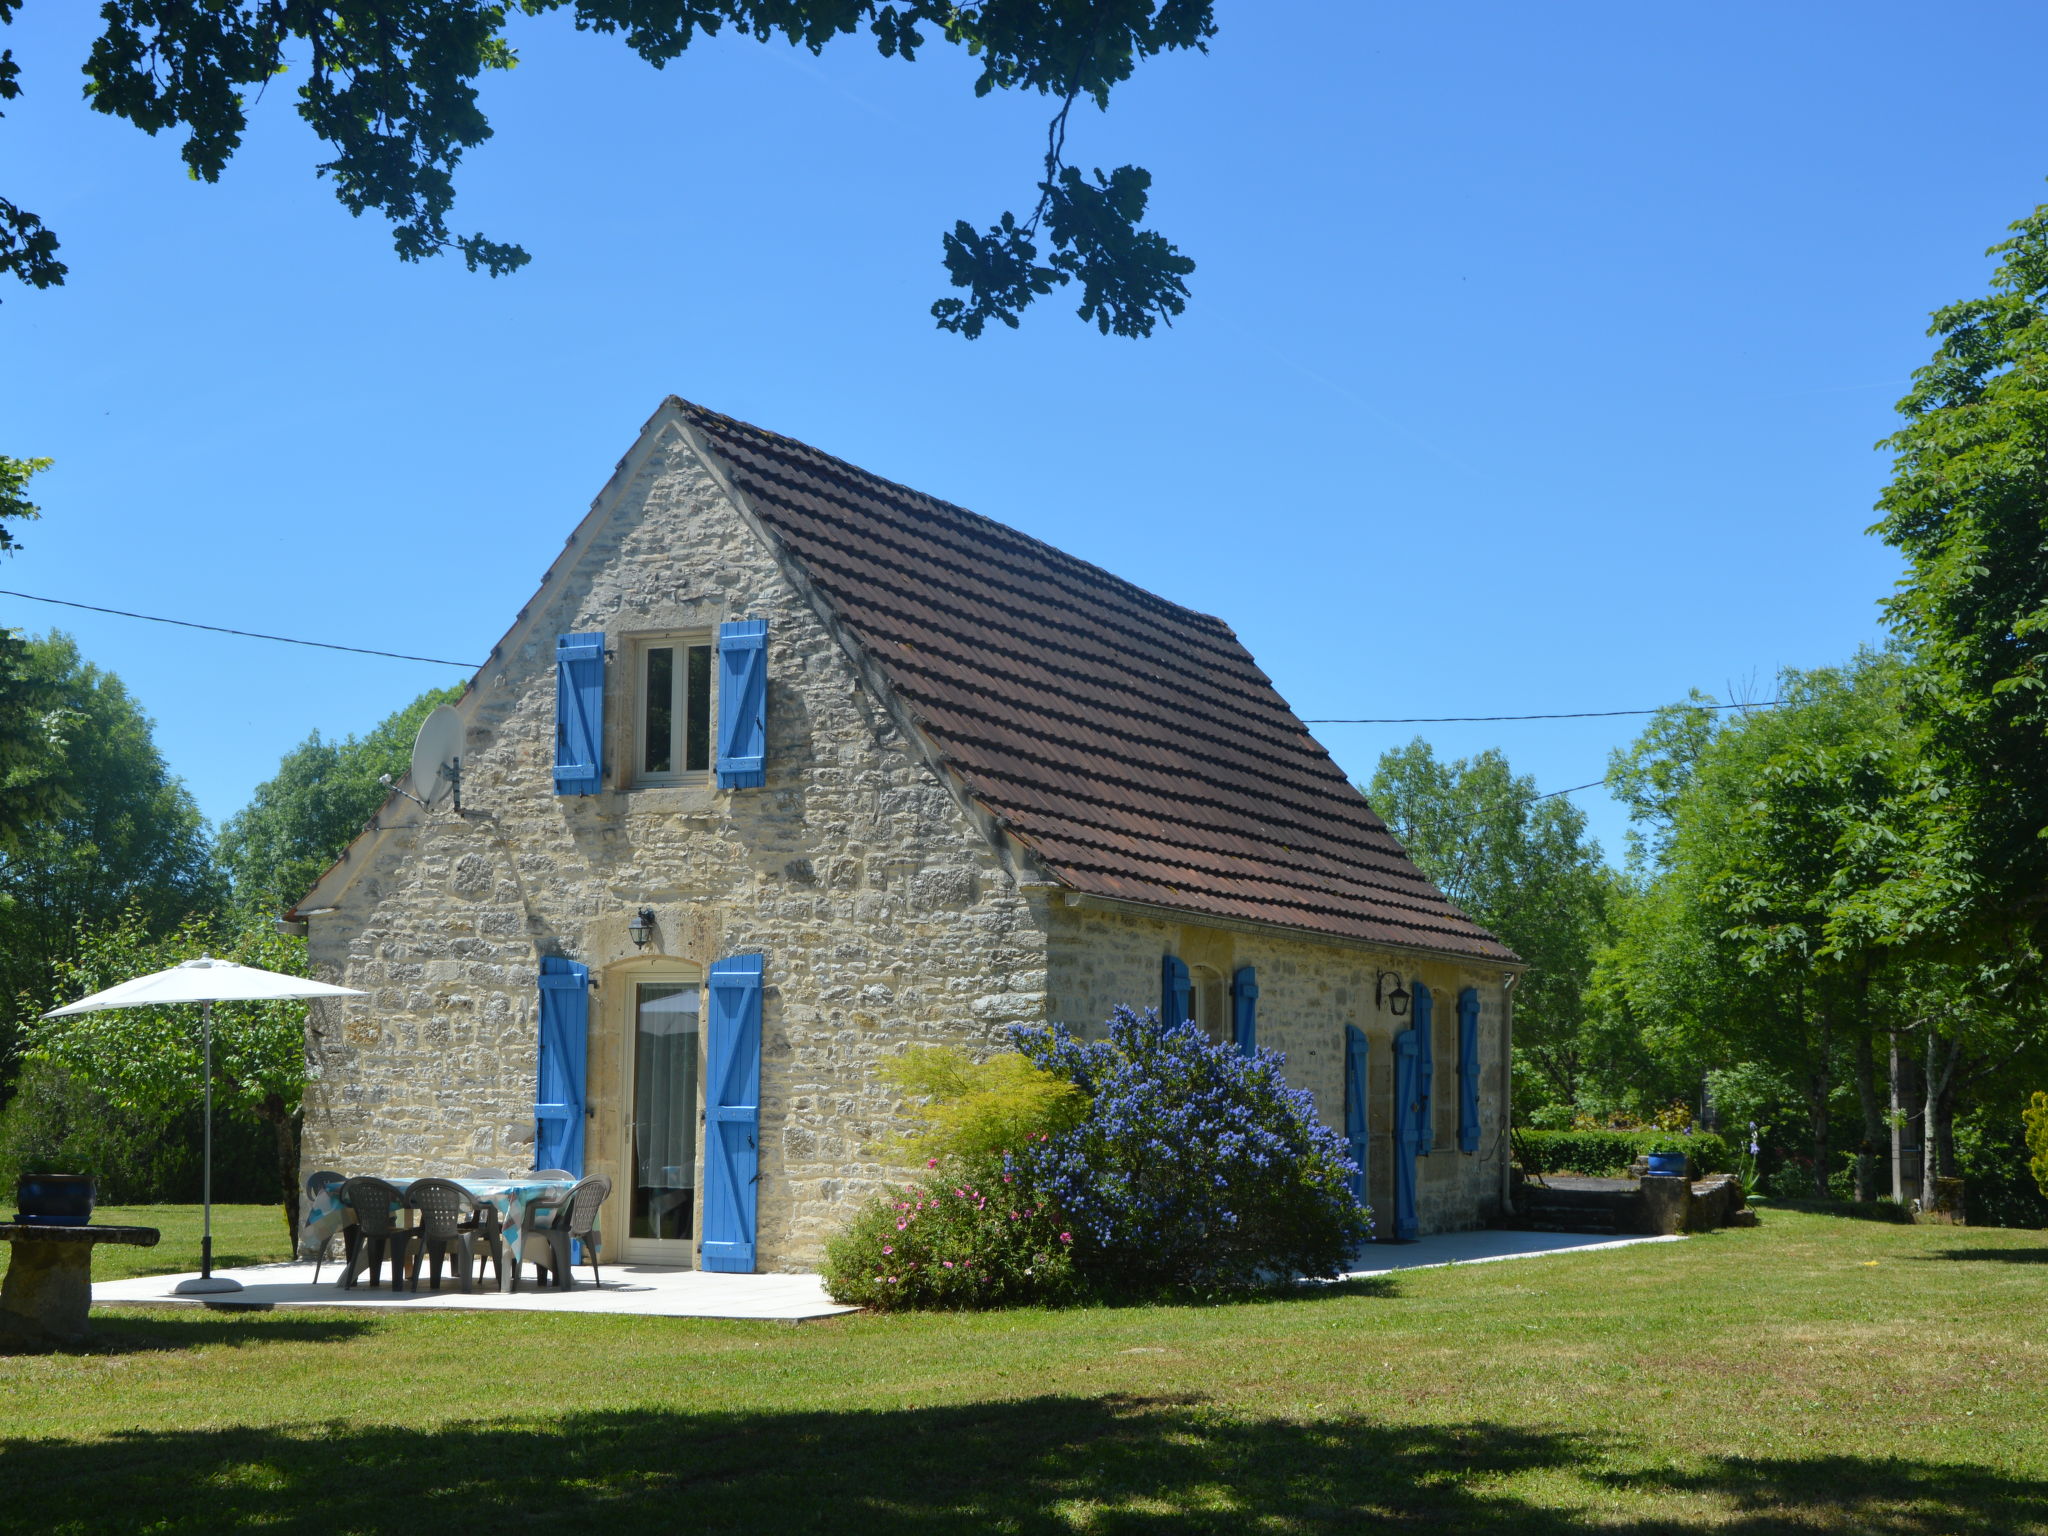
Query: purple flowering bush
x=1195 y=1170
x=973 y=1232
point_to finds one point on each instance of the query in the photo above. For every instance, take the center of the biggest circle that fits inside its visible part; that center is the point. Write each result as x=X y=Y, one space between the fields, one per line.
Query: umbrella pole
x=206 y=1155
x=206 y=1283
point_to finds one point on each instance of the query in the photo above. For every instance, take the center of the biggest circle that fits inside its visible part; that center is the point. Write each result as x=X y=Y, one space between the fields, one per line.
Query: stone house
x=786 y=768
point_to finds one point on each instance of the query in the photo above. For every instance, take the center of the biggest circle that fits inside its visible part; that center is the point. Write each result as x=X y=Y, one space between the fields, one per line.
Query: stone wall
x=1308 y=992
x=884 y=916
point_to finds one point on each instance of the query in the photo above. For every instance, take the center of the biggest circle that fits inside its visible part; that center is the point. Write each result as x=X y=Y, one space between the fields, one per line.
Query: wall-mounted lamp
x=1396 y=1000
x=642 y=927
x=1508 y=980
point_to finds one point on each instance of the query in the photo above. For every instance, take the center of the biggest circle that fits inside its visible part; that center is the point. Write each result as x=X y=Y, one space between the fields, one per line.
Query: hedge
x=1601 y=1154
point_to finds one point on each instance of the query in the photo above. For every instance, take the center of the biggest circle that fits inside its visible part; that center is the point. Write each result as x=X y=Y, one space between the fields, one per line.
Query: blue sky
x=1533 y=363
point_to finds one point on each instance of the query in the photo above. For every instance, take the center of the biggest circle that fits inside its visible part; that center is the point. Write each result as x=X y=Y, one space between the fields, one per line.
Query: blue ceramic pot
x=54 y=1199
x=1669 y=1163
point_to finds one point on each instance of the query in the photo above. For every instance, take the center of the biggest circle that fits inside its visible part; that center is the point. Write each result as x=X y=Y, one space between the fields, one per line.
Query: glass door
x=662 y=1147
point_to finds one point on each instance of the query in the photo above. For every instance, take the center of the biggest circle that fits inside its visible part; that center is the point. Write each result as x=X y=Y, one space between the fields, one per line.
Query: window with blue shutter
x=1468 y=1070
x=1425 y=1069
x=743 y=704
x=558 y=1100
x=1355 y=1104
x=579 y=716
x=732 y=1114
x=1174 y=987
x=1244 y=1010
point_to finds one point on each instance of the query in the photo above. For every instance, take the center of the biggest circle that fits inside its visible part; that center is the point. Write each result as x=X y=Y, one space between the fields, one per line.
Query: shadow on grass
x=1993 y=1255
x=130 y=1333
x=1043 y=1464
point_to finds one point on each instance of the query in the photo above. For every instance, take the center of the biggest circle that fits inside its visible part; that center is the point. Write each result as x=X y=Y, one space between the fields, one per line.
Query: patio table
x=324 y=1215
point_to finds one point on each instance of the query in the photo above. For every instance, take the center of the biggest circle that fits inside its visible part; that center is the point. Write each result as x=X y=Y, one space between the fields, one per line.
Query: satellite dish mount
x=436 y=763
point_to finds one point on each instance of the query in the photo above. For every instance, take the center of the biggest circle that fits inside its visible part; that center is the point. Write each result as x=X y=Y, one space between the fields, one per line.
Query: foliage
x=1967 y=506
x=57 y=1123
x=392 y=89
x=149 y=1060
x=2035 y=1118
x=127 y=837
x=29 y=715
x=970 y=1233
x=1520 y=864
x=1195 y=1170
x=1607 y=1154
x=977 y=1109
x=299 y=821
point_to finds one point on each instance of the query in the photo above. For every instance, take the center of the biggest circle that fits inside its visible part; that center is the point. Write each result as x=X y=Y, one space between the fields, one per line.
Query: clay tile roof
x=1131 y=743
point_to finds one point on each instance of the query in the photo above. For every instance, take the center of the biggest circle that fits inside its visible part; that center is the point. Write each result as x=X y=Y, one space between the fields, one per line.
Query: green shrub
x=971 y=1233
x=1607 y=1154
x=977 y=1109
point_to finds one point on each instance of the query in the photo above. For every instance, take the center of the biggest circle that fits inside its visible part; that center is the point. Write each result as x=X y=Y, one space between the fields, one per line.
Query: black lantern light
x=1396 y=1000
x=642 y=927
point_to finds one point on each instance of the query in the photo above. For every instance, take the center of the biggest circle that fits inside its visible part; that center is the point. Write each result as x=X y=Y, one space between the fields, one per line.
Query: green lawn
x=1815 y=1373
x=242 y=1234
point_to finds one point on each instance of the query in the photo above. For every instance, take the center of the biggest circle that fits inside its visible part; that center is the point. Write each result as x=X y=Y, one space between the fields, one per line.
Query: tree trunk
x=1873 y=1117
x=1817 y=1102
x=1897 y=1117
x=284 y=1128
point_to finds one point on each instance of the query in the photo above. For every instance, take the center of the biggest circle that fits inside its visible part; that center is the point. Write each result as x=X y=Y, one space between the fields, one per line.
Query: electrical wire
x=246 y=634
x=1577 y=714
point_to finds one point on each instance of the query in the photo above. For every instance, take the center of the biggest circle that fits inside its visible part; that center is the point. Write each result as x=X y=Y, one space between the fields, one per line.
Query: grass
x=242 y=1234
x=1811 y=1374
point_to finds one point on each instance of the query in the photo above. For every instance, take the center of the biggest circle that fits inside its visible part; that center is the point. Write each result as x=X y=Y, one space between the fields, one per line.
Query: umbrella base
x=205 y=1285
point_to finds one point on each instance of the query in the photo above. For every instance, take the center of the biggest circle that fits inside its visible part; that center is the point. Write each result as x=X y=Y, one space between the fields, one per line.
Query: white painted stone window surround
x=672 y=680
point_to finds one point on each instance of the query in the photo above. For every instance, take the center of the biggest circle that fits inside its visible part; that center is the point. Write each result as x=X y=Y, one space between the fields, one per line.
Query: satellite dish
x=437 y=760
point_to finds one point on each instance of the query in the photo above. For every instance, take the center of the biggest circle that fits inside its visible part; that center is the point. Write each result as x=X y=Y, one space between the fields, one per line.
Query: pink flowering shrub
x=970 y=1233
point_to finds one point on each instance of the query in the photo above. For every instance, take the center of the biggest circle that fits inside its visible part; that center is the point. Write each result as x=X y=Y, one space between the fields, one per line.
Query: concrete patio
x=640 y=1290
x=649 y=1290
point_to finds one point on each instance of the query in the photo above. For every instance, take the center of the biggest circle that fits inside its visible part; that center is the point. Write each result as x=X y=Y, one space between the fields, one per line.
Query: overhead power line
x=246 y=634
x=1576 y=714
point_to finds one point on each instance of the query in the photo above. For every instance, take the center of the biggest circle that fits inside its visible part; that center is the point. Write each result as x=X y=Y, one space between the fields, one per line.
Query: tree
x=1967 y=506
x=1519 y=864
x=128 y=837
x=150 y=1060
x=30 y=789
x=301 y=819
x=391 y=86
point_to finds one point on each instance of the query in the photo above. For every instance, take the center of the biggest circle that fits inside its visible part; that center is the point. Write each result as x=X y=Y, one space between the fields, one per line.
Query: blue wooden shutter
x=564 y=1052
x=1355 y=1080
x=579 y=715
x=1244 y=1010
x=1468 y=1070
x=732 y=1115
x=1425 y=1069
x=743 y=704
x=1406 y=1120
x=1173 y=990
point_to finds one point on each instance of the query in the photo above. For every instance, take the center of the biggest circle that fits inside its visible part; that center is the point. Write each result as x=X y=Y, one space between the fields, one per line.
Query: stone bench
x=48 y=1289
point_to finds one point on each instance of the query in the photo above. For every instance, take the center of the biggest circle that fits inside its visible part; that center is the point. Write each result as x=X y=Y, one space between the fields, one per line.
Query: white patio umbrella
x=204 y=981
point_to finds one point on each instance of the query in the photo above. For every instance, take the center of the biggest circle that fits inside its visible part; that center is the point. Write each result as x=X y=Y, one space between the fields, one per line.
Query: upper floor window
x=673 y=721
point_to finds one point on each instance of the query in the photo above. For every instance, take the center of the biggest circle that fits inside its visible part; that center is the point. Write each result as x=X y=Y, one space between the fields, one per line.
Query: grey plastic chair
x=328 y=1182
x=382 y=1231
x=451 y=1222
x=551 y=1173
x=488 y=1173
x=574 y=1221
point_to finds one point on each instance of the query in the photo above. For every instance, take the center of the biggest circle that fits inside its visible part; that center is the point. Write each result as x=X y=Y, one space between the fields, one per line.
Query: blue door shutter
x=579 y=717
x=1244 y=1010
x=732 y=1115
x=1425 y=1069
x=1468 y=1070
x=1355 y=1122
x=1407 y=1116
x=1173 y=990
x=564 y=1052
x=743 y=704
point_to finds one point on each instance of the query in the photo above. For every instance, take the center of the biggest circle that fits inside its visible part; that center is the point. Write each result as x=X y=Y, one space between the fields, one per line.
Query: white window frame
x=641 y=648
